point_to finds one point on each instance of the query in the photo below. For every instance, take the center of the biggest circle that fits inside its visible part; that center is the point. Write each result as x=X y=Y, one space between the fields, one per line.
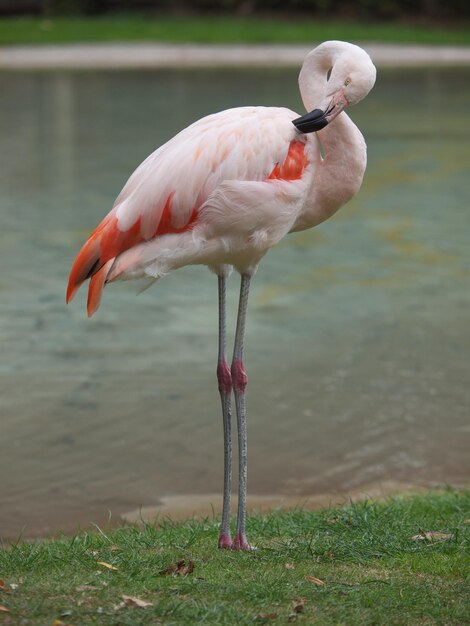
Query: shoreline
x=180 y=508
x=184 y=507
x=115 y=56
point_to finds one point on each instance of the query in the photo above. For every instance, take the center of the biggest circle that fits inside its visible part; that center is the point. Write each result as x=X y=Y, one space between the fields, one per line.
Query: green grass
x=218 y=30
x=373 y=571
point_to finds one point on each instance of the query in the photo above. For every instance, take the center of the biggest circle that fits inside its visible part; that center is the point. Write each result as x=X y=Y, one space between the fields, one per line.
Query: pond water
x=358 y=337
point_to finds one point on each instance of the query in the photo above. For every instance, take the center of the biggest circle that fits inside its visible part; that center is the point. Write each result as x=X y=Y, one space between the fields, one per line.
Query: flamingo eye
x=347 y=81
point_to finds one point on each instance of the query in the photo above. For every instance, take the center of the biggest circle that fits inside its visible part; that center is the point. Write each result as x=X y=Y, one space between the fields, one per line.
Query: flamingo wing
x=165 y=192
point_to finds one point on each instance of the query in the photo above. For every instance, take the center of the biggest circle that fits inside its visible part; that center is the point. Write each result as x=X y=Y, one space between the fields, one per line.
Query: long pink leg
x=239 y=381
x=224 y=378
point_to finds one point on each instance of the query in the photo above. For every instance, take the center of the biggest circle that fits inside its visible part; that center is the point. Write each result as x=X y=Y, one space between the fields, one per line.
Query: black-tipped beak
x=311 y=122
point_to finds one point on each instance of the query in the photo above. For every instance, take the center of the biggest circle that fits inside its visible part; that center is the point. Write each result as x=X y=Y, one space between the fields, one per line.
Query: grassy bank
x=217 y=30
x=365 y=564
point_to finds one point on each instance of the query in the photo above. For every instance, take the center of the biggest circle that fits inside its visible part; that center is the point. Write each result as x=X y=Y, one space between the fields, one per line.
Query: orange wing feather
x=108 y=241
x=105 y=243
x=294 y=164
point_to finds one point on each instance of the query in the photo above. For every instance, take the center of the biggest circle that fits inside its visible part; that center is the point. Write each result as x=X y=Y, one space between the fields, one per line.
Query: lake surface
x=358 y=337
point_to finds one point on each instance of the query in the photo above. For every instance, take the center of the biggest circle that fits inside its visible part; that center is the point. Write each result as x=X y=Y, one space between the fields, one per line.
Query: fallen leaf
x=13 y=586
x=4 y=586
x=180 y=568
x=329 y=554
x=289 y=566
x=315 y=581
x=432 y=535
x=133 y=601
x=266 y=616
x=298 y=605
x=107 y=565
x=4 y=609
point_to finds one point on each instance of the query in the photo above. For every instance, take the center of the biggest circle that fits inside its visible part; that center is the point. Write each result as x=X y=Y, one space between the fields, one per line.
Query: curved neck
x=342 y=168
x=313 y=76
x=330 y=69
x=328 y=66
x=338 y=176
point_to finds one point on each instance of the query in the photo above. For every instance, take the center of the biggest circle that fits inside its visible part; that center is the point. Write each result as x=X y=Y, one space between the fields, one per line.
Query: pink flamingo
x=225 y=190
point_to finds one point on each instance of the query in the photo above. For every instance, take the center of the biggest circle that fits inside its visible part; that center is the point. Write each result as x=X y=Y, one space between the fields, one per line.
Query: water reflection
x=358 y=335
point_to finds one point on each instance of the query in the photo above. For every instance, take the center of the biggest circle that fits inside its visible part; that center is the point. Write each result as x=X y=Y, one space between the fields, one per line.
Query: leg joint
x=239 y=377
x=224 y=377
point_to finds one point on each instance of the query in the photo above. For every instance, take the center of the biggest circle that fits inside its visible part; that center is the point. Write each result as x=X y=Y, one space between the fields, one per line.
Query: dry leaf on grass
x=133 y=601
x=180 y=568
x=4 y=609
x=298 y=605
x=107 y=565
x=289 y=566
x=432 y=535
x=315 y=581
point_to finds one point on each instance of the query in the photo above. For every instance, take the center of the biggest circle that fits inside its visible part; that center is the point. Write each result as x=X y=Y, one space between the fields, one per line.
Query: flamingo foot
x=241 y=542
x=225 y=541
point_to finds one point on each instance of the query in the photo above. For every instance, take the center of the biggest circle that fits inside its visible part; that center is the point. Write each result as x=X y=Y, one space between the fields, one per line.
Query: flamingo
x=221 y=193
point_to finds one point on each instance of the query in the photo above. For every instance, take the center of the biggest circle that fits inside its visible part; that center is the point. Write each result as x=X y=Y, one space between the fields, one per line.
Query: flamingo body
x=227 y=176
x=225 y=190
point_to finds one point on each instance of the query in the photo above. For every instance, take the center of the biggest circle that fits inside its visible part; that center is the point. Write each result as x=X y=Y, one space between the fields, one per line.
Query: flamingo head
x=334 y=76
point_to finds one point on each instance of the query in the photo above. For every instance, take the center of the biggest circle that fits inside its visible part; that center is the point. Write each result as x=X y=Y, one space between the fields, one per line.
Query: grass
x=373 y=572
x=218 y=30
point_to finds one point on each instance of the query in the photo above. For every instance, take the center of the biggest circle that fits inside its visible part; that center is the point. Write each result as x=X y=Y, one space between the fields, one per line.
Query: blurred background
x=358 y=339
x=370 y=9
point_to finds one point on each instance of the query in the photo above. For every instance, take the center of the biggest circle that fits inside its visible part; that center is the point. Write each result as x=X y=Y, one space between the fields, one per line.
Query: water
x=358 y=337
